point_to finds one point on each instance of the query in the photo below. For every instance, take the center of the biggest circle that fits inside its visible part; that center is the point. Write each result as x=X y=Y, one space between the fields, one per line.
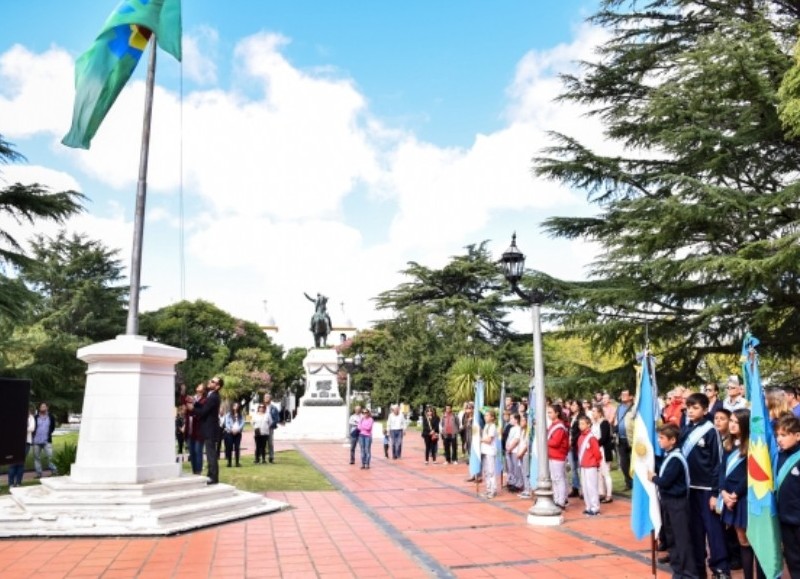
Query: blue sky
x=317 y=146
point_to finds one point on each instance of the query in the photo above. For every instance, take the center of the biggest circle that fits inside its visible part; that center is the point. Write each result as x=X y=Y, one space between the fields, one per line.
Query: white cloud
x=268 y=162
x=31 y=86
x=199 y=49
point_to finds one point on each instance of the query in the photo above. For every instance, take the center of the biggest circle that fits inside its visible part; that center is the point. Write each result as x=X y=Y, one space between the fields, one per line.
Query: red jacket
x=672 y=413
x=591 y=457
x=557 y=441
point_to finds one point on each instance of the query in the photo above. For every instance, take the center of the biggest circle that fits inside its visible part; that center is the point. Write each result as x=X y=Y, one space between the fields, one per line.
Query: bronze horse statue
x=320 y=321
x=320 y=328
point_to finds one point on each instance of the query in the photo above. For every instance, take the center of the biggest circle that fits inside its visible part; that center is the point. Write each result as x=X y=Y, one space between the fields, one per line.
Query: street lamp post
x=349 y=365
x=544 y=511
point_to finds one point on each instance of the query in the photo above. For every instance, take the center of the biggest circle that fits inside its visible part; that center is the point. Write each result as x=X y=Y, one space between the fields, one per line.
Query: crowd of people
x=701 y=477
x=206 y=426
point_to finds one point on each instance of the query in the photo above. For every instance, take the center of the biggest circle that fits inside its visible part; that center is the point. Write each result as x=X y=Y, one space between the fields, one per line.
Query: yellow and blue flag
x=763 y=529
x=645 y=512
x=102 y=71
x=477 y=427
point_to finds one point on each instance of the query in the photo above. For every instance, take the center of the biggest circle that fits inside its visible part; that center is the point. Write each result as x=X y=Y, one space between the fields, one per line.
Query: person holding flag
x=702 y=449
x=645 y=508
x=476 y=427
x=763 y=527
x=787 y=488
x=672 y=481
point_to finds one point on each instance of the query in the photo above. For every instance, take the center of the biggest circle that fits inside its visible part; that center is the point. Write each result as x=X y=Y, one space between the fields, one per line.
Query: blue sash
x=675 y=453
x=734 y=460
x=786 y=468
x=694 y=437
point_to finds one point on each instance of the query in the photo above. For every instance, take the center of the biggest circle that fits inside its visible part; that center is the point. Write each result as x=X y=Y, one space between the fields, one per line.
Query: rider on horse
x=320 y=315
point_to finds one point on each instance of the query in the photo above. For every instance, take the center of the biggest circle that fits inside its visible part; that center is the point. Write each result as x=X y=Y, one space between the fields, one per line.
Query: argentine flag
x=533 y=444
x=645 y=513
x=477 y=426
x=499 y=459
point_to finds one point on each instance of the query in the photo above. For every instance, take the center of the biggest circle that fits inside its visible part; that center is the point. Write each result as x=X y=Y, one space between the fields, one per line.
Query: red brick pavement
x=398 y=519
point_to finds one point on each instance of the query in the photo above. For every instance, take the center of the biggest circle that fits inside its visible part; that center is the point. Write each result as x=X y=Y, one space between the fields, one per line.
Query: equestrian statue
x=320 y=321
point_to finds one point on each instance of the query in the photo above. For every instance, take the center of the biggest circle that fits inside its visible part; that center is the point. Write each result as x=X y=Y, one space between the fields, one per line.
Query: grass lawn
x=290 y=472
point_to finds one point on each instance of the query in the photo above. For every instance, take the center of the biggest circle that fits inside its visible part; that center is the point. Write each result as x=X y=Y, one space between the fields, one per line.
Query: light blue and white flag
x=499 y=459
x=477 y=427
x=645 y=512
x=533 y=445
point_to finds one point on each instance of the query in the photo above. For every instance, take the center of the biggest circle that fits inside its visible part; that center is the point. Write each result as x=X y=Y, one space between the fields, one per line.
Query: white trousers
x=591 y=496
x=558 y=476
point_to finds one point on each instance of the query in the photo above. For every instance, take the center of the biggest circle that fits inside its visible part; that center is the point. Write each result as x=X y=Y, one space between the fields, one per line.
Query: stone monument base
x=315 y=423
x=63 y=507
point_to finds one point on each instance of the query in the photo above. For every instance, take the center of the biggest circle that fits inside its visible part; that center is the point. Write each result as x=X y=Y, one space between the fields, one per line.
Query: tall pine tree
x=698 y=217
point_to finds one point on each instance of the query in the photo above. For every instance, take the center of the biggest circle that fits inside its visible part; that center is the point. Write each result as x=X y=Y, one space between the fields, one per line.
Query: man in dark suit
x=208 y=414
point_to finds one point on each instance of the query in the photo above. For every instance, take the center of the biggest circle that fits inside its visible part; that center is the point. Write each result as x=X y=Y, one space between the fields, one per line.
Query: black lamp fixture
x=544 y=511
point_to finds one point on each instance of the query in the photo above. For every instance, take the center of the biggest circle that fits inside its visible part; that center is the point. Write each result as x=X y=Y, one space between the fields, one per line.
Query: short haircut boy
x=698 y=398
x=669 y=431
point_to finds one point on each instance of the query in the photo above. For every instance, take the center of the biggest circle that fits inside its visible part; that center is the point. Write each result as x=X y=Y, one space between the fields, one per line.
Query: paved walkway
x=399 y=519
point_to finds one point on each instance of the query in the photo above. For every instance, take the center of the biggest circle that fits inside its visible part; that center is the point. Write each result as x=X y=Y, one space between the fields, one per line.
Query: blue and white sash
x=734 y=460
x=694 y=437
x=676 y=454
x=786 y=468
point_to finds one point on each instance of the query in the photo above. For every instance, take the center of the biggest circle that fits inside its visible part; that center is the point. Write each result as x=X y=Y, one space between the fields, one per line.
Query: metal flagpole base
x=544 y=512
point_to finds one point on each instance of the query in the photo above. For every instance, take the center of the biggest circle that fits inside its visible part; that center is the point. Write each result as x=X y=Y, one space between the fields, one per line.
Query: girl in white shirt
x=488 y=453
x=512 y=462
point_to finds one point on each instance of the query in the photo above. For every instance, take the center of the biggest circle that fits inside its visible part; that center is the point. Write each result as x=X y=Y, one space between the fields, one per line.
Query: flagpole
x=653 y=553
x=132 y=327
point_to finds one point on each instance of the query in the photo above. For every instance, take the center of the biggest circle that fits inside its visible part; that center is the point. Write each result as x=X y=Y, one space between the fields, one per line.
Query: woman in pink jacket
x=365 y=436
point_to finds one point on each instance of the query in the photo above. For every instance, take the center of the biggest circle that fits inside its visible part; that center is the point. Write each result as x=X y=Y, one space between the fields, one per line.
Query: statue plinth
x=322 y=378
x=321 y=412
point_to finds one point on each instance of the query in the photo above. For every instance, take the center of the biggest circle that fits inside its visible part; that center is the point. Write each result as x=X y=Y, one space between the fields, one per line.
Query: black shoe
x=238 y=465
x=663 y=558
x=573 y=493
x=257 y=461
x=272 y=461
x=662 y=547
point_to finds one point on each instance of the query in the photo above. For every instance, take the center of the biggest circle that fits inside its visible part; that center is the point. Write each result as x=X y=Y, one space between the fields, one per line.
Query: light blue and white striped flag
x=645 y=513
x=477 y=427
x=533 y=444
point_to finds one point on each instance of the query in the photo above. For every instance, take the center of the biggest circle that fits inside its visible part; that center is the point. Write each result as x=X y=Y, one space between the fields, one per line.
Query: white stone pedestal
x=125 y=480
x=322 y=386
x=128 y=423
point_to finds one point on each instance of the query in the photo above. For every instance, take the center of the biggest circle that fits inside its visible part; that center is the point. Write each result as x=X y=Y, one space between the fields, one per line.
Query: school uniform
x=787 y=483
x=672 y=482
x=733 y=479
x=589 y=459
x=557 y=450
x=701 y=447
